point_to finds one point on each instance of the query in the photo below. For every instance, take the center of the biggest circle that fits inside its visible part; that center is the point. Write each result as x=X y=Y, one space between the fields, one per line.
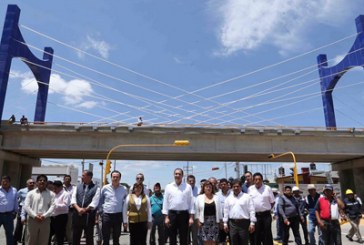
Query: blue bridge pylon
x=329 y=76
x=13 y=45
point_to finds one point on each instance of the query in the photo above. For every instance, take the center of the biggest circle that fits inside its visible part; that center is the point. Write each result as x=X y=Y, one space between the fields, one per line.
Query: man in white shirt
x=60 y=213
x=178 y=208
x=239 y=215
x=69 y=188
x=263 y=200
x=39 y=205
x=222 y=195
x=191 y=180
x=85 y=199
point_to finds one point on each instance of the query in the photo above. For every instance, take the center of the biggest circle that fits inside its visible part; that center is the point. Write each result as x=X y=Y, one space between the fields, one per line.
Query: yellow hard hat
x=349 y=191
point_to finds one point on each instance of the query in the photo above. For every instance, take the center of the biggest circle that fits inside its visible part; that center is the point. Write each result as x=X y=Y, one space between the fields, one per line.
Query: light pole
x=175 y=143
x=295 y=176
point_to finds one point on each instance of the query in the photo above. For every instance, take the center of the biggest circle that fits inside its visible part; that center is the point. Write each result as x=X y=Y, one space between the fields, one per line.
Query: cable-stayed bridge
x=24 y=145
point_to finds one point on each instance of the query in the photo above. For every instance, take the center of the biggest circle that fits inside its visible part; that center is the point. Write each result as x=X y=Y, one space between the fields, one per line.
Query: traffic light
x=108 y=167
x=292 y=171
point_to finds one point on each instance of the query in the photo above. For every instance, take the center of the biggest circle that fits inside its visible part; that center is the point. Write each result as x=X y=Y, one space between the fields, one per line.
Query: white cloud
x=73 y=92
x=92 y=44
x=246 y=25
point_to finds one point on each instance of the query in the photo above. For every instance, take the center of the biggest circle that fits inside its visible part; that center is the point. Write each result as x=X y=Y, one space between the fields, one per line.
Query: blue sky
x=187 y=62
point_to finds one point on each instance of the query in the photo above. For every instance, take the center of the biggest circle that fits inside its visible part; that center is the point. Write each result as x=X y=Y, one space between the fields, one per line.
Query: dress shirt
x=23 y=215
x=178 y=197
x=194 y=191
x=263 y=198
x=112 y=199
x=275 y=207
x=138 y=203
x=222 y=197
x=95 y=200
x=8 y=200
x=239 y=207
x=69 y=189
x=38 y=202
x=22 y=194
x=61 y=202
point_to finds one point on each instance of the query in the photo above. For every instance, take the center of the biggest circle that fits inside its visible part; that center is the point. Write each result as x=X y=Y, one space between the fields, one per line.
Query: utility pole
x=102 y=173
x=237 y=170
x=225 y=170
x=83 y=165
x=187 y=169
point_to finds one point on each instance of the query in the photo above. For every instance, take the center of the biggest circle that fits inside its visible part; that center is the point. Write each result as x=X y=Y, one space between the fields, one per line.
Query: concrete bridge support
x=351 y=175
x=18 y=167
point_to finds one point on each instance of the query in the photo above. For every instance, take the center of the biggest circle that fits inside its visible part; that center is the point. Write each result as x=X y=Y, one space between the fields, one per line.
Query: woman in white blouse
x=137 y=213
x=208 y=213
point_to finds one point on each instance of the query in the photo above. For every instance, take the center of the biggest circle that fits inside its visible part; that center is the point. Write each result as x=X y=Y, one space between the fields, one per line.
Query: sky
x=204 y=63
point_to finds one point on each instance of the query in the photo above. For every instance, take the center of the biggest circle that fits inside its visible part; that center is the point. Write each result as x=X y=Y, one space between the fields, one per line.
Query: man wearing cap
x=302 y=206
x=291 y=215
x=327 y=214
x=60 y=213
x=311 y=201
x=353 y=214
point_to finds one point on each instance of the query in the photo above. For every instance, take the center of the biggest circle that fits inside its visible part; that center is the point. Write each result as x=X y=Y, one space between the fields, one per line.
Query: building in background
x=57 y=172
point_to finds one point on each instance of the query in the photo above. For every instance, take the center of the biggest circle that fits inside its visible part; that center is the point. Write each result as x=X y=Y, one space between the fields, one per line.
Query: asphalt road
x=124 y=238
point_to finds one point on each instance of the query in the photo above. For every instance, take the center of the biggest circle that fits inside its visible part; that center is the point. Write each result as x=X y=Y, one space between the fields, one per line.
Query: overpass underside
x=342 y=147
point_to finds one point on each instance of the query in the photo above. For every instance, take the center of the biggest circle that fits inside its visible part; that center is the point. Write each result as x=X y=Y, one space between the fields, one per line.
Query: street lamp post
x=175 y=143
x=295 y=176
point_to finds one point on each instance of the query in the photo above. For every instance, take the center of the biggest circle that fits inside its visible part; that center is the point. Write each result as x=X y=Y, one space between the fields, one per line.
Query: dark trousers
x=111 y=221
x=84 y=222
x=158 y=223
x=6 y=219
x=263 y=229
x=304 y=229
x=331 y=234
x=239 y=231
x=222 y=236
x=295 y=226
x=58 y=228
x=279 y=226
x=179 y=225
x=138 y=233
x=18 y=232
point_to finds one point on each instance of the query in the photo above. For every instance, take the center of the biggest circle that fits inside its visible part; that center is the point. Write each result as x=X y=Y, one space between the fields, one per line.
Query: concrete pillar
x=18 y=167
x=351 y=175
x=13 y=169
x=26 y=173
x=359 y=181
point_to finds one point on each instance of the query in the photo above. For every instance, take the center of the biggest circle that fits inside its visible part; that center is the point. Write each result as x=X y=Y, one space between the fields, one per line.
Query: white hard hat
x=295 y=188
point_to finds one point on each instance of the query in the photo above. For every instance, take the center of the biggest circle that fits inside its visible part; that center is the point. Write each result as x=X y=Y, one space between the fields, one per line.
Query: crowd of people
x=216 y=212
